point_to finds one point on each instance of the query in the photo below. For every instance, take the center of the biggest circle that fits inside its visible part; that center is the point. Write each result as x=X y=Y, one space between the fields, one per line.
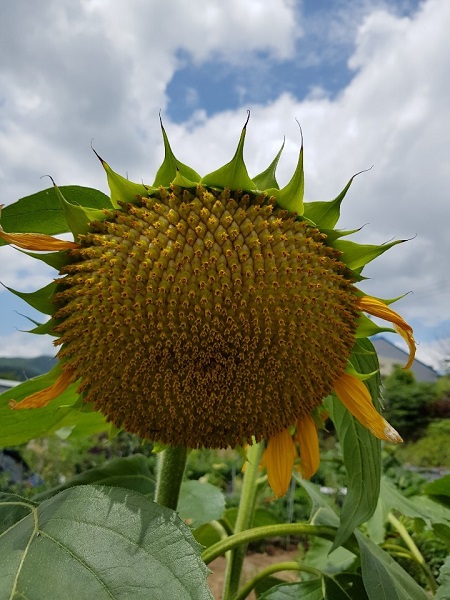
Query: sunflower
x=213 y=311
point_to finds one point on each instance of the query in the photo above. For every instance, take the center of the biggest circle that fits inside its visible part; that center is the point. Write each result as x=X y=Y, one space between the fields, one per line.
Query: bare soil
x=254 y=563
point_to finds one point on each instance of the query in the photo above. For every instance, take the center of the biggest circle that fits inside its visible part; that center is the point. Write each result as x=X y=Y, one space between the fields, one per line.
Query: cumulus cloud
x=84 y=71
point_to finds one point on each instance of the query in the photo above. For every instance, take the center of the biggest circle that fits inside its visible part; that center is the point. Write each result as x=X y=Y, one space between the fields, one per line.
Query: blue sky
x=367 y=79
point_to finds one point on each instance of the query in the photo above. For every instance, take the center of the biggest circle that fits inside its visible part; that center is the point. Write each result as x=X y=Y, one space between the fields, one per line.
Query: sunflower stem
x=414 y=550
x=267 y=531
x=170 y=471
x=244 y=519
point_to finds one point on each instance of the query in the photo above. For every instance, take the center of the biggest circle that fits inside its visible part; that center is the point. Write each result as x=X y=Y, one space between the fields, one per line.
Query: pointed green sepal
x=356 y=255
x=350 y=369
x=57 y=260
x=335 y=234
x=46 y=328
x=326 y=214
x=122 y=190
x=41 y=300
x=41 y=328
x=233 y=175
x=183 y=182
x=366 y=328
x=291 y=196
x=267 y=179
x=168 y=171
x=388 y=301
x=78 y=217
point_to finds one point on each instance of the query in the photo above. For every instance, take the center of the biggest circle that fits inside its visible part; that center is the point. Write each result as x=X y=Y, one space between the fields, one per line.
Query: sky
x=368 y=80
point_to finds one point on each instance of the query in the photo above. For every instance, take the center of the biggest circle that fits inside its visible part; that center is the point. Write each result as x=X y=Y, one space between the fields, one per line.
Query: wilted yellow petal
x=278 y=458
x=356 y=398
x=42 y=398
x=308 y=442
x=379 y=309
x=37 y=241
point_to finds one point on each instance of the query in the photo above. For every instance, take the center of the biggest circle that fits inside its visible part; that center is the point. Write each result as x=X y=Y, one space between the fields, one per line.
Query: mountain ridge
x=21 y=369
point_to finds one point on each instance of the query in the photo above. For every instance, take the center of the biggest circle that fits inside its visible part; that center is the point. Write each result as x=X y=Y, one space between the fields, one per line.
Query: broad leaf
x=443 y=592
x=334 y=590
x=361 y=451
x=384 y=579
x=318 y=555
x=43 y=213
x=131 y=473
x=200 y=503
x=304 y=590
x=440 y=489
x=98 y=542
x=21 y=426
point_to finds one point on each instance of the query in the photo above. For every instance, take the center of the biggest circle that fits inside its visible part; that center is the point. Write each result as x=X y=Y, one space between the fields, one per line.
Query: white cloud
x=27 y=346
x=21 y=272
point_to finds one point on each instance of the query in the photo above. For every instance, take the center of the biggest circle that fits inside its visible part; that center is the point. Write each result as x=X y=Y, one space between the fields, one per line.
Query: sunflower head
x=210 y=311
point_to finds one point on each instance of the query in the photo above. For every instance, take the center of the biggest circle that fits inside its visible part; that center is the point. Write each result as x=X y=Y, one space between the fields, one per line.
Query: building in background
x=390 y=355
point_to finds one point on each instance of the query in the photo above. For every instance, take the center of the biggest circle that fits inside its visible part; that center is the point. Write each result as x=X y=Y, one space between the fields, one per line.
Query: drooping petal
x=37 y=241
x=379 y=309
x=308 y=442
x=278 y=458
x=356 y=398
x=43 y=397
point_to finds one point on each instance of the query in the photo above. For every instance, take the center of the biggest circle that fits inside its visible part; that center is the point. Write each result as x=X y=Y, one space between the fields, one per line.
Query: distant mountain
x=21 y=369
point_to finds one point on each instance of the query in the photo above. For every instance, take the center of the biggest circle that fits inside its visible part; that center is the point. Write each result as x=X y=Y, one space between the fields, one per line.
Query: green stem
x=283 y=566
x=170 y=471
x=268 y=531
x=244 y=519
x=398 y=525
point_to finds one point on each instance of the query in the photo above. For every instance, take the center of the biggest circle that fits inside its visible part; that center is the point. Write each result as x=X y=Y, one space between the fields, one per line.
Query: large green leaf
x=131 y=473
x=443 y=592
x=439 y=489
x=318 y=555
x=200 y=503
x=98 y=542
x=334 y=590
x=42 y=212
x=20 y=426
x=361 y=451
x=384 y=579
x=304 y=590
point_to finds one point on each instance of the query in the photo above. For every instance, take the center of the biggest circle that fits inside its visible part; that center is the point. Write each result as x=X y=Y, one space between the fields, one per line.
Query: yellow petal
x=308 y=442
x=356 y=398
x=278 y=458
x=379 y=309
x=42 y=398
x=37 y=241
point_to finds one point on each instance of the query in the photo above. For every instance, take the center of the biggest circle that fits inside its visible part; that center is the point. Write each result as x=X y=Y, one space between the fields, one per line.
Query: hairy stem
x=244 y=519
x=415 y=552
x=170 y=471
x=268 y=531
